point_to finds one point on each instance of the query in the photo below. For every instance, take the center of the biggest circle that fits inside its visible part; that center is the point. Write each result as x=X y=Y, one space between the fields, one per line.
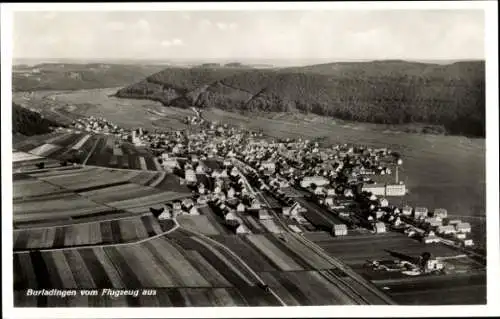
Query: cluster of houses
x=225 y=165
x=98 y=125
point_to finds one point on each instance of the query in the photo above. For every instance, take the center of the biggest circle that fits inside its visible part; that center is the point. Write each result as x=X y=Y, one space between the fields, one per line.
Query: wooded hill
x=388 y=92
x=27 y=122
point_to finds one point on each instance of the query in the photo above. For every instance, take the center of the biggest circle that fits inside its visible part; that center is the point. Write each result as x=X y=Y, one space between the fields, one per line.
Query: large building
x=317 y=180
x=395 y=190
x=375 y=189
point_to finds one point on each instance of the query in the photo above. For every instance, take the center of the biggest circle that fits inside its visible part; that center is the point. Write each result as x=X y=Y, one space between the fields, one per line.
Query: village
x=289 y=185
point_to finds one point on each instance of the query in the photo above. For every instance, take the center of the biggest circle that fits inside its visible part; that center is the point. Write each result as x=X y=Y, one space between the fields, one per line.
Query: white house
x=255 y=204
x=468 y=242
x=463 y=227
x=329 y=201
x=330 y=191
x=269 y=166
x=187 y=202
x=380 y=227
x=339 y=230
x=200 y=169
x=421 y=212
x=194 y=211
x=433 y=221
x=240 y=208
x=242 y=229
x=166 y=214
x=379 y=214
x=449 y=229
x=317 y=180
x=231 y=193
x=231 y=216
x=375 y=189
x=190 y=176
x=348 y=192
x=440 y=212
x=407 y=210
x=319 y=191
x=383 y=202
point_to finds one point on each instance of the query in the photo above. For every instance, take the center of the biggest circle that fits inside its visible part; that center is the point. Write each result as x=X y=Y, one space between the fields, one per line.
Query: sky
x=333 y=34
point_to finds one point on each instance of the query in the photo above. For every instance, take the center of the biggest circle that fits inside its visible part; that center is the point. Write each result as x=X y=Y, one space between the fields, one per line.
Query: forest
x=386 y=92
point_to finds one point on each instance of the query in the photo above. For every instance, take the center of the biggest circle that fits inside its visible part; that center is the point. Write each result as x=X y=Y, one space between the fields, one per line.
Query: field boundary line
x=248 y=268
x=136 y=242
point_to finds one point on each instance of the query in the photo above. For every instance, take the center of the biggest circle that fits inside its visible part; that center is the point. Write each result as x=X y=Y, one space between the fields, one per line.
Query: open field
x=51 y=197
x=154 y=263
x=438 y=290
x=89 y=149
x=200 y=224
x=115 y=231
x=356 y=250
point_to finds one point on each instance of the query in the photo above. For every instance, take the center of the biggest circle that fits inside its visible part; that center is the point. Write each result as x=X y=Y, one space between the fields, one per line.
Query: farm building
x=379 y=227
x=407 y=210
x=375 y=189
x=421 y=212
x=317 y=180
x=449 y=229
x=395 y=190
x=339 y=230
x=463 y=228
x=440 y=212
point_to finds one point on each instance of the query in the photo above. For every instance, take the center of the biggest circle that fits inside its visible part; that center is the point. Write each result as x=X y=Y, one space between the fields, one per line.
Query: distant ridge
x=381 y=91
